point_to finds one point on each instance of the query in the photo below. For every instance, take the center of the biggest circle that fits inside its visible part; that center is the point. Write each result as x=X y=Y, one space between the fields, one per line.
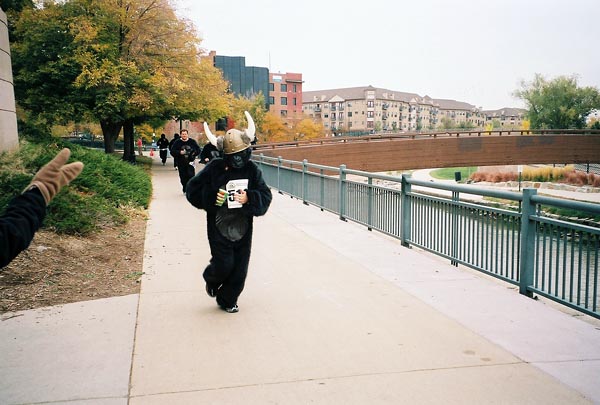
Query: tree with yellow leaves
x=308 y=129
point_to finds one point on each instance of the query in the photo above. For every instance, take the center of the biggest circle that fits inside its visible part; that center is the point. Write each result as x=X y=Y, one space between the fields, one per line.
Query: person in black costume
x=171 y=142
x=209 y=152
x=163 y=148
x=25 y=213
x=184 y=151
x=232 y=192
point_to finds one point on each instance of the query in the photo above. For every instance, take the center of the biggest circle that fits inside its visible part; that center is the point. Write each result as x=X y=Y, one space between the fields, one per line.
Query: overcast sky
x=466 y=50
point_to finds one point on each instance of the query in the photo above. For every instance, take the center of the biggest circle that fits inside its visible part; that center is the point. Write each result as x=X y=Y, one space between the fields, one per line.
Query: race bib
x=233 y=187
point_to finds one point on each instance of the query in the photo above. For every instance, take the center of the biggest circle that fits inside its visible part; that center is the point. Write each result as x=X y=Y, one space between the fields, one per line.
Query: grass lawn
x=448 y=173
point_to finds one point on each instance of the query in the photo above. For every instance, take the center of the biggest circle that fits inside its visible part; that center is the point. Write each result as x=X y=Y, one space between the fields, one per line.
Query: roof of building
x=507 y=111
x=358 y=93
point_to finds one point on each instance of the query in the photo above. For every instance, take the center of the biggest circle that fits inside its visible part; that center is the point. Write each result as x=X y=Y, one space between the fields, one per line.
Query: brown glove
x=55 y=174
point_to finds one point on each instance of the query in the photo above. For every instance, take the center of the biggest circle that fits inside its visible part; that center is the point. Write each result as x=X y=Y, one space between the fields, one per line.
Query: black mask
x=240 y=159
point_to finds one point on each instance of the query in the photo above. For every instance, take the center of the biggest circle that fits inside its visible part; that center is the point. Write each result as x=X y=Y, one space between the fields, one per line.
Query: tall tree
x=120 y=61
x=559 y=103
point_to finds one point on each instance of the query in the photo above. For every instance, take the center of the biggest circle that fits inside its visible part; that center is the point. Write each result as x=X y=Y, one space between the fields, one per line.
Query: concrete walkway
x=331 y=314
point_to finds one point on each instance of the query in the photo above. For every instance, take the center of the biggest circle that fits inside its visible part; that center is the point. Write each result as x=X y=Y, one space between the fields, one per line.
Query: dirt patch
x=58 y=269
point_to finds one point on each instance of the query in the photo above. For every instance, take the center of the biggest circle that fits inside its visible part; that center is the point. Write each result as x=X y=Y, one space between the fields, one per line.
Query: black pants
x=186 y=172
x=228 y=265
x=163 y=156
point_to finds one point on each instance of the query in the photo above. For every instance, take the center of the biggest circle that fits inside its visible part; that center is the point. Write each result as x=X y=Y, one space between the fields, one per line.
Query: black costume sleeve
x=23 y=217
x=259 y=195
x=202 y=188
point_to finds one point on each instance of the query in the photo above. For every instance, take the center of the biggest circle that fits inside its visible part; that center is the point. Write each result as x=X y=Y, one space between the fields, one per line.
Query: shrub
x=566 y=175
x=99 y=197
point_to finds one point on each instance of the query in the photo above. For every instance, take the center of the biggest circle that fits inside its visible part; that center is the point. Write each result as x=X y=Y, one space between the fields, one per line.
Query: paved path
x=331 y=314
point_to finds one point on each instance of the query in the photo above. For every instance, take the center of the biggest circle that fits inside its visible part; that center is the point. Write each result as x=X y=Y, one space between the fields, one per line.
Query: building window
x=295 y=88
x=271 y=100
x=284 y=87
x=283 y=100
x=271 y=86
x=370 y=104
x=284 y=113
x=349 y=114
x=370 y=114
x=294 y=101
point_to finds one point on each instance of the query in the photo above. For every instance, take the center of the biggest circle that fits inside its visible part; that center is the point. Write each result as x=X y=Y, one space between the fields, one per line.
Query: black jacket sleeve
x=196 y=150
x=22 y=218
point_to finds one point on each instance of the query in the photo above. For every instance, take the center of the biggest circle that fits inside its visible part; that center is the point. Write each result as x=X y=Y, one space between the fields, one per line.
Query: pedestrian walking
x=139 y=145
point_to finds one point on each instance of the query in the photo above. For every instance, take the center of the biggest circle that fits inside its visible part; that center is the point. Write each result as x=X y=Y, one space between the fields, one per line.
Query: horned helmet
x=235 y=145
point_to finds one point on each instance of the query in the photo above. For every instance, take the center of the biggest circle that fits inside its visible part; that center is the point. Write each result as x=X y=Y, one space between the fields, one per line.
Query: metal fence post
x=455 y=200
x=527 y=251
x=322 y=189
x=405 y=217
x=370 y=204
x=304 y=181
x=342 y=191
x=279 y=173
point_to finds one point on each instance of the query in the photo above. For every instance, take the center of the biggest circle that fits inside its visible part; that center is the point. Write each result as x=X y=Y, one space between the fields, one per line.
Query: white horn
x=251 y=128
x=211 y=138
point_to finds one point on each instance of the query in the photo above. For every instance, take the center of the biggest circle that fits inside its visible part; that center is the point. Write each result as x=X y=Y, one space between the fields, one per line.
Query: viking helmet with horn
x=234 y=140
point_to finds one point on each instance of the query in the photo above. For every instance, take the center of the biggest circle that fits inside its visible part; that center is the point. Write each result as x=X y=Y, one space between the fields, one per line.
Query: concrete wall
x=8 y=115
x=405 y=154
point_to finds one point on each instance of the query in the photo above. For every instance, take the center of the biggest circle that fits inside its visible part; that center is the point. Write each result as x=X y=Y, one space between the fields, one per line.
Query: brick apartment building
x=285 y=96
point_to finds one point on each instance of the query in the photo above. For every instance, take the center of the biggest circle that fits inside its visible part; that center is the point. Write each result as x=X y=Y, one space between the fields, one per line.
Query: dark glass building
x=245 y=81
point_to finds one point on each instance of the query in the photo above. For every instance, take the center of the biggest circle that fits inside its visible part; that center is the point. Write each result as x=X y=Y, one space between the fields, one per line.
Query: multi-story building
x=285 y=96
x=369 y=109
x=461 y=114
x=506 y=118
x=245 y=81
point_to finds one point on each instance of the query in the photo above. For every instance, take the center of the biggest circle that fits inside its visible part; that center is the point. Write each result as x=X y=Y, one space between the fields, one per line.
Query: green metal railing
x=554 y=258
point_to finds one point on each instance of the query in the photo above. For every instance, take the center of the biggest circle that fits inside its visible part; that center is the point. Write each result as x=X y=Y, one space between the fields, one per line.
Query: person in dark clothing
x=184 y=151
x=232 y=191
x=171 y=142
x=163 y=148
x=25 y=213
x=209 y=152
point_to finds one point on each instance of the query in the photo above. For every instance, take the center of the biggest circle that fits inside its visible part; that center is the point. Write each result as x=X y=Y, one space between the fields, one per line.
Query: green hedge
x=100 y=197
